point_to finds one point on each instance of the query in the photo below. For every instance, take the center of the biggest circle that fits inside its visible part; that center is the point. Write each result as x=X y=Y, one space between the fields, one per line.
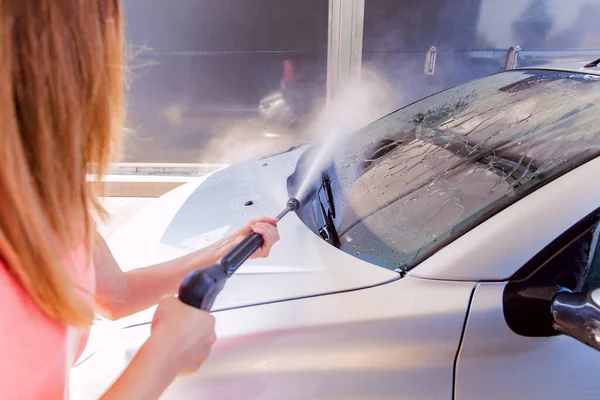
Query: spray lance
x=200 y=288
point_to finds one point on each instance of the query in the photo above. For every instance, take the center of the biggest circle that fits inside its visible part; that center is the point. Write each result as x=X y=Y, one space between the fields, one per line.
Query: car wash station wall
x=226 y=80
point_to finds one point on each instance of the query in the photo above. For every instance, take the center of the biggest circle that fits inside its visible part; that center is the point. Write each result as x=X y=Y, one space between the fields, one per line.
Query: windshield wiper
x=327 y=231
x=326 y=186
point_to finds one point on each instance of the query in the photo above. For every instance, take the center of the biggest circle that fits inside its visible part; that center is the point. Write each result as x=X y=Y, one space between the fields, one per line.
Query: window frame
x=530 y=290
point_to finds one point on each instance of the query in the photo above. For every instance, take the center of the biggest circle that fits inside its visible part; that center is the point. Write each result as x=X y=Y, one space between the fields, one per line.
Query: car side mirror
x=578 y=315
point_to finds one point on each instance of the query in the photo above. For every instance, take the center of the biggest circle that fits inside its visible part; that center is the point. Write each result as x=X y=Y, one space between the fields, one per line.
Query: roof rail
x=593 y=64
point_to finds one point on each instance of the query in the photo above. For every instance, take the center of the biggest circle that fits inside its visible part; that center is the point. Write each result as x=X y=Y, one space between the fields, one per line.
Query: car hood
x=206 y=209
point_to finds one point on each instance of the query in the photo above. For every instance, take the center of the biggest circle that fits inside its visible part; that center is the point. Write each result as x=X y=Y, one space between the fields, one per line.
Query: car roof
x=582 y=67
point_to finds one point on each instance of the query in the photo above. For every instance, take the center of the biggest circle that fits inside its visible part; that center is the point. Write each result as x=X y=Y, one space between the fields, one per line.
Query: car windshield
x=409 y=183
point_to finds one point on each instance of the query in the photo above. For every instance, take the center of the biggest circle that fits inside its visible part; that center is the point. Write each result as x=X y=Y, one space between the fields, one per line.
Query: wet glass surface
x=410 y=182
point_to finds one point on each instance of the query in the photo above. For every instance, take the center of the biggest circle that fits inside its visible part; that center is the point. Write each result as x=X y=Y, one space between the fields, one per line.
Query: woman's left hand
x=266 y=227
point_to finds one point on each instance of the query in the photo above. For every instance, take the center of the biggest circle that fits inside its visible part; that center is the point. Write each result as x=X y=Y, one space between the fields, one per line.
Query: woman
x=60 y=118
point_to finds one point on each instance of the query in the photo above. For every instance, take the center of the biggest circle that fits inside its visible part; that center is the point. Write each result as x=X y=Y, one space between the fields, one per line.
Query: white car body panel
x=394 y=341
x=496 y=363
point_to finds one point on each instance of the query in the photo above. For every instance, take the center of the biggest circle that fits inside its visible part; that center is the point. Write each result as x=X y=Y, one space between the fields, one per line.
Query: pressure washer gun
x=201 y=287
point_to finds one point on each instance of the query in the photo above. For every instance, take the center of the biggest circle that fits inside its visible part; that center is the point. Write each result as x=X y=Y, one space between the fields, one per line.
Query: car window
x=575 y=267
x=571 y=261
x=592 y=273
x=419 y=177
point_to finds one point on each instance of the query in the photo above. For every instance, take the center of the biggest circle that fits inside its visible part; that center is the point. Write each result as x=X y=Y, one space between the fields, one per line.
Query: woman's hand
x=265 y=226
x=181 y=339
x=187 y=332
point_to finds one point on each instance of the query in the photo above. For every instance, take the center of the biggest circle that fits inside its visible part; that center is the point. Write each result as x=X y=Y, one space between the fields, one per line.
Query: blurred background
x=222 y=81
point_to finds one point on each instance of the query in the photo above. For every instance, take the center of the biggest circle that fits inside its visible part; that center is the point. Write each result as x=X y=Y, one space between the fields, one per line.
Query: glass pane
x=592 y=280
x=221 y=81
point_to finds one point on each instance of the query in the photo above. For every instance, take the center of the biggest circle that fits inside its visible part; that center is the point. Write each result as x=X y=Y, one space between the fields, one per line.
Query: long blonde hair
x=60 y=119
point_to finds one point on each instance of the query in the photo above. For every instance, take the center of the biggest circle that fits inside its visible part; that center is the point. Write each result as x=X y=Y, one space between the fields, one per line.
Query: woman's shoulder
x=83 y=272
x=32 y=343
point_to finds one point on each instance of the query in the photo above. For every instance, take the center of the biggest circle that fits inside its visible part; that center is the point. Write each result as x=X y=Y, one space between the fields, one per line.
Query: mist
x=355 y=105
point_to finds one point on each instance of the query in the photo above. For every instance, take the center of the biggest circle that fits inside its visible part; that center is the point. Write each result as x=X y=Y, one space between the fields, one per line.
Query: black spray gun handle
x=241 y=252
x=201 y=287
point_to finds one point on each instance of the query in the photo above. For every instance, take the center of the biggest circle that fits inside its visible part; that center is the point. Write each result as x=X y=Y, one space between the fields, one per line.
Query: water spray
x=200 y=288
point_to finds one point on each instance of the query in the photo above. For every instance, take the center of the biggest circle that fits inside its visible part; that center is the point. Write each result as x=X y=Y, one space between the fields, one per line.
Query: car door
x=510 y=349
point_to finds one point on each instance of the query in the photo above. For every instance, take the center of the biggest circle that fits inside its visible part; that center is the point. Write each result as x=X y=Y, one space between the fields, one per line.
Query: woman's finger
x=267 y=240
x=259 y=252
x=270 y=236
x=269 y=232
x=268 y=220
x=249 y=225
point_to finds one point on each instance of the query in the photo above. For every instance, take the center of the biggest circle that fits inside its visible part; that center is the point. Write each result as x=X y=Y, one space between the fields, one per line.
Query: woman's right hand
x=187 y=332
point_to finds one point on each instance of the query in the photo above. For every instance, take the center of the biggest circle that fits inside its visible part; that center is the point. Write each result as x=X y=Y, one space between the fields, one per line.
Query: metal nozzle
x=293 y=204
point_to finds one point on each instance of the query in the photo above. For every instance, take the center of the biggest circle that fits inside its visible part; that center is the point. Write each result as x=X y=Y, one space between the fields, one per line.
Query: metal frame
x=344 y=52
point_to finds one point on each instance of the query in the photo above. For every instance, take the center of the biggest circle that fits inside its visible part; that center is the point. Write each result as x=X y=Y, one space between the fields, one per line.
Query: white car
x=438 y=254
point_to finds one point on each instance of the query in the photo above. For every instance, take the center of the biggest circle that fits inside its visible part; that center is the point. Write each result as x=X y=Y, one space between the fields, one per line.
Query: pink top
x=33 y=348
